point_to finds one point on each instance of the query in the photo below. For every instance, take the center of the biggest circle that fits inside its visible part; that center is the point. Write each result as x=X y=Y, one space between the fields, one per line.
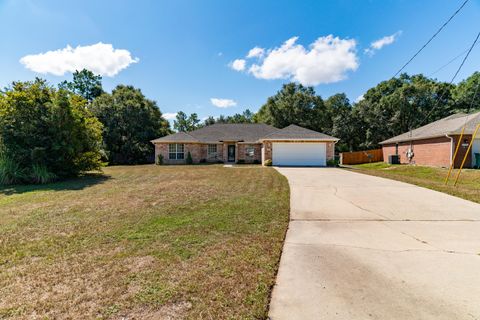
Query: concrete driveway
x=362 y=247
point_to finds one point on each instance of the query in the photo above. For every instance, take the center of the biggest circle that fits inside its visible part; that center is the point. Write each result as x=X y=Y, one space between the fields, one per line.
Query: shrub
x=267 y=163
x=40 y=174
x=240 y=161
x=46 y=134
x=10 y=171
x=189 y=158
x=159 y=160
x=203 y=160
x=332 y=163
x=256 y=161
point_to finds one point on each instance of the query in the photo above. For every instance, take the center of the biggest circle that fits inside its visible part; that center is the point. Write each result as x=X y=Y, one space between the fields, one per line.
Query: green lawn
x=468 y=186
x=143 y=242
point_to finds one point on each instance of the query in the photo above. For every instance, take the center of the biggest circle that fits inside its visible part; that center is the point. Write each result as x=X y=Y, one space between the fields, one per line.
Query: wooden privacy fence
x=359 y=157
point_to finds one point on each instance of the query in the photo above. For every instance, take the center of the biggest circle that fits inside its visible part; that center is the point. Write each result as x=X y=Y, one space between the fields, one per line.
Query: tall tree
x=344 y=122
x=85 y=83
x=46 y=134
x=130 y=122
x=467 y=94
x=402 y=104
x=295 y=104
x=184 y=123
x=244 y=117
x=335 y=105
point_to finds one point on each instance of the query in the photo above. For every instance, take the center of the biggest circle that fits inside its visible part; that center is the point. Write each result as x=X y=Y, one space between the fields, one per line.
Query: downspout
x=451 y=148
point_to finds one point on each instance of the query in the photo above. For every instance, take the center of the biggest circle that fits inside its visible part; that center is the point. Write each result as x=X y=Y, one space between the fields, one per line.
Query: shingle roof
x=177 y=137
x=245 y=132
x=446 y=126
x=251 y=132
x=294 y=132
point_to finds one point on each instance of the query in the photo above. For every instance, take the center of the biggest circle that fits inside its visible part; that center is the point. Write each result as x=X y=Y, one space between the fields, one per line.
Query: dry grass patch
x=143 y=242
x=468 y=186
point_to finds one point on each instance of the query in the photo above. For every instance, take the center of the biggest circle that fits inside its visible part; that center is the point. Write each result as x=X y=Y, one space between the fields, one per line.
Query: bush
x=40 y=174
x=256 y=161
x=203 y=160
x=10 y=171
x=240 y=161
x=267 y=163
x=332 y=163
x=159 y=160
x=46 y=134
x=189 y=158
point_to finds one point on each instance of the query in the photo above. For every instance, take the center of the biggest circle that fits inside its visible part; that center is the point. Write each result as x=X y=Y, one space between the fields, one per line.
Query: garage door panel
x=299 y=154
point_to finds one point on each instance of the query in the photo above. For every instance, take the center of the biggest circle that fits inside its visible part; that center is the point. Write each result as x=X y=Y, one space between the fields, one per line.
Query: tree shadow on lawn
x=79 y=183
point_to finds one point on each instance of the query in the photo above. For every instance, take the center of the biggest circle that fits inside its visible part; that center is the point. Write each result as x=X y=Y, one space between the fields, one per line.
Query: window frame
x=176 y=151
x=210 y=153
x=247 y=152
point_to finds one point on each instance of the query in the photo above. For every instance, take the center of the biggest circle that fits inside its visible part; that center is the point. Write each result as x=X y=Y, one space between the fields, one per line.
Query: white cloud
x=359 y=98
x=238 y=64
x=380 y=43
x=170 y=115
x=326 y=60
x=100 y=58
x=223 y=103
x=256 y=52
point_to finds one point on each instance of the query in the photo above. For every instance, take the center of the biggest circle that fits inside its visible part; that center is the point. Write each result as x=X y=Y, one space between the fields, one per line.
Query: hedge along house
x=247 y=143
x=434 y=144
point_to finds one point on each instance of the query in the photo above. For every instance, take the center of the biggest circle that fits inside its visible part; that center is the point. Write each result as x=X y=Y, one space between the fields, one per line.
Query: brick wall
x=330 y=151
x=267 y=151
x=198 y=152
x=430 y=152
x=242 y=152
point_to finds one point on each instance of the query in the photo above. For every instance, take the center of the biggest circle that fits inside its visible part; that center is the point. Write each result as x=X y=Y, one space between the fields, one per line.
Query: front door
x=231 y=153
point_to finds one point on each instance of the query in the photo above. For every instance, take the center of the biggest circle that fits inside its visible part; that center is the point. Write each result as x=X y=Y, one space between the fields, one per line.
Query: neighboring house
x=435 y=143
x=247 y=143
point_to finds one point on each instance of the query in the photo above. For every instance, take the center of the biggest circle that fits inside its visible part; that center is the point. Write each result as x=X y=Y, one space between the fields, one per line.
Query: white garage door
x=299 y=154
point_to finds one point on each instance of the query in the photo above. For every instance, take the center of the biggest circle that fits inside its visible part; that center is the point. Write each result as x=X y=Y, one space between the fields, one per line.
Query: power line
x=429 y=40
x=447 y=64
x=451 y=81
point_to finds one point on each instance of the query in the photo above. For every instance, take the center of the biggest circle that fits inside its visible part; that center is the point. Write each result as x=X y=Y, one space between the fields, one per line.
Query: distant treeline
x=392 y=107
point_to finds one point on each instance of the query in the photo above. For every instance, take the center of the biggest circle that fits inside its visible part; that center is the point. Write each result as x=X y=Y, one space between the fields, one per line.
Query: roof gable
x=452 y=124
x=294 y=132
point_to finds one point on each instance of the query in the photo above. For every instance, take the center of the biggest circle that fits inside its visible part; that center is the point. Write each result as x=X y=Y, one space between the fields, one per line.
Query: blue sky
x=180 y=53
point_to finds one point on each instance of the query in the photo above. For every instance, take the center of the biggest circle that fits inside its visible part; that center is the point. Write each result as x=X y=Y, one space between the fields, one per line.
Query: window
x=212 y=150
x=250 y=151
x=176 y=151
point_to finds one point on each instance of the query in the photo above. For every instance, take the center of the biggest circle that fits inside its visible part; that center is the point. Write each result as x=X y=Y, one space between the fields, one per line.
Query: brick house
x=434 y=144
x=247 y=143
